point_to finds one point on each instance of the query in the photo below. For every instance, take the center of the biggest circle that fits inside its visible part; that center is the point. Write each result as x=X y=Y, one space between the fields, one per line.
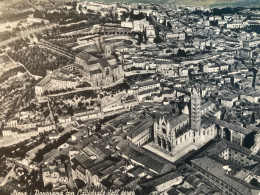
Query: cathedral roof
x=178 y=120
x=205 y=123
x=86 y=56
x=97 y=71
x=104 y=63
x=114 y=66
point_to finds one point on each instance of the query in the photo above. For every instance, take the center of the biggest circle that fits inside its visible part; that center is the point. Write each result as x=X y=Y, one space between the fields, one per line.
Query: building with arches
x=98 y=71
x=176 y=134
x=192 y=130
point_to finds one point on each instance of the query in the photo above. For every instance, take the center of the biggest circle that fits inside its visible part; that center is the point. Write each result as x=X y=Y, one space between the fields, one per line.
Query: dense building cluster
x=146 y=99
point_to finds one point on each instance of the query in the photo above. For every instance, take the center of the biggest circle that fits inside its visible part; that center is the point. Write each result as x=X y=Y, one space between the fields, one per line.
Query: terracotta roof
x=215 y=168
x=147 y=83
x=162 y=179
x=147 y=123
x=104 y=63
x=179 y=119
x=44 y=81
x=97 y=71
x=230 y=126
x=145 y=160
x=86 y=56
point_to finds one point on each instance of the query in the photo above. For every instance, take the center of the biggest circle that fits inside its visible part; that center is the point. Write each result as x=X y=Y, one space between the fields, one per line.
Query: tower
x=108 y=51
x=195 y=109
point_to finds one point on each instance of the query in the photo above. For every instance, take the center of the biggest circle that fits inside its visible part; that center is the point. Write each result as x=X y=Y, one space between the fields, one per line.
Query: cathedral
x=175 y=134
x=98 y=71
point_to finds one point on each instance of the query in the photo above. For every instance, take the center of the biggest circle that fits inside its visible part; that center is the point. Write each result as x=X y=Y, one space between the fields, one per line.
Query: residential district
x=129 y=99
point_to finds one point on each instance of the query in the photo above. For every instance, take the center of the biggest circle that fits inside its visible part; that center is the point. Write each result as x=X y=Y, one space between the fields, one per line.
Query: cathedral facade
x=175 y=134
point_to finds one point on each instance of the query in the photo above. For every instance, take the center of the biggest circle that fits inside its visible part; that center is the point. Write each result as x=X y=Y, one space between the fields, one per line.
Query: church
x=174 y=135
x=98 y=71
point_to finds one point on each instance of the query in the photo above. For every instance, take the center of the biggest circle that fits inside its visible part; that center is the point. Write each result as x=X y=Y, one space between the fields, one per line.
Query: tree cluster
x=40 y=154
x=37 y=60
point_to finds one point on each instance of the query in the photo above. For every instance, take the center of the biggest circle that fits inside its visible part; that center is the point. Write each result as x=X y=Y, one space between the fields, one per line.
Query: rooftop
x=86 y=56
x=162 y=179
x=215 y=168
x=147 y=83
x=224 y=144
x=147 y=123
x=230 y=126
x=178 y=120
x=44 y=81
x=145 y=160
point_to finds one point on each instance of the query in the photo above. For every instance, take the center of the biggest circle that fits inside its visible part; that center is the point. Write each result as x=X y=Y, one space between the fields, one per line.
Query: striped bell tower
x=195 y=109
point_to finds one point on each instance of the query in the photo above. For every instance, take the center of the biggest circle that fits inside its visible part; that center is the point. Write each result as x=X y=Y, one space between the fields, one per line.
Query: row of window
x=222 y=185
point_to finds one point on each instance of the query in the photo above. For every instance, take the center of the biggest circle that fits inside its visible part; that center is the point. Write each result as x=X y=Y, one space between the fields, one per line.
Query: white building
x=139 y=25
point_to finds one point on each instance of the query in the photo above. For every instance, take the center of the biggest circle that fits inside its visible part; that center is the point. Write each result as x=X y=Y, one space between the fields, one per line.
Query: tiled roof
x=97 y=71
x=44 y=81
x=104 y=63
x=215 y=168
x=218 y=148
x=230 y=126
x=147 y=123
x=86 y=56
x=145 y=160
x=179 y=119
x=163 y=179
x=147 y=83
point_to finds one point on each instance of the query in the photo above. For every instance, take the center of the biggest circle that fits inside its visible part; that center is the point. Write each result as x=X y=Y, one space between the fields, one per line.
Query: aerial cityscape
x=129 y=98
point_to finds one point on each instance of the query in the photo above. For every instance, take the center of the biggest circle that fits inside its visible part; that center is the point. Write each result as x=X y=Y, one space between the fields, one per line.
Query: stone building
x=98 y=71
x=57 y=80
x=182 y=132
x=195 y=110
x=213 y=171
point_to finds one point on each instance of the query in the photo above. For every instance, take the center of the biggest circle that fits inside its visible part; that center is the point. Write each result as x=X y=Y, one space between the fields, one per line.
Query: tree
x=214 y=23
x=254 y=182
x=237 y=85
x=157 y=40
x=17 y=29
x=140 y=38
x=164 y=22
x=46 y=113
x=169 y=25
x=80 y=104
x=253 y=118
x=181 y=53
x=38 y=14
x=125 y=15
x=70 y=111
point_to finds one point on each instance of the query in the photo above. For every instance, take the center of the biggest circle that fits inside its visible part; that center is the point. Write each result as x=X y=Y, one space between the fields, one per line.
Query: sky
x=211 y=3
